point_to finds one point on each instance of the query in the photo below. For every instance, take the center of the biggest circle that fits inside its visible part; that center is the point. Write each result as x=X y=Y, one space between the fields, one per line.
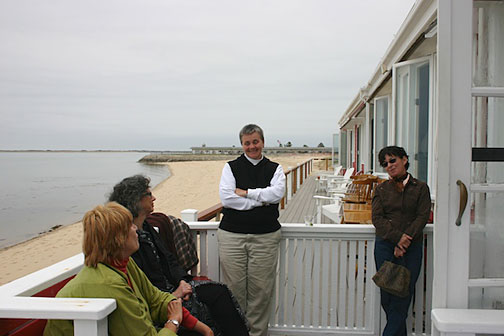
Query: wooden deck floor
x=302 y=203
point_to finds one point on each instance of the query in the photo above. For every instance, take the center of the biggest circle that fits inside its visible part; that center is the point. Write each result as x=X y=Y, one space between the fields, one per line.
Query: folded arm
x=229 y=197
x=273 y=193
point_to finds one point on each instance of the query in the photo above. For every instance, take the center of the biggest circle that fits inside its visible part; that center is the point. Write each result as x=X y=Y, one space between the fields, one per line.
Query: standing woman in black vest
x=249 y=233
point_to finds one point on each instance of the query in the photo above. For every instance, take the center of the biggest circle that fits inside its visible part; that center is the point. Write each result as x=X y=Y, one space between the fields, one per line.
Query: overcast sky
x=168 y=75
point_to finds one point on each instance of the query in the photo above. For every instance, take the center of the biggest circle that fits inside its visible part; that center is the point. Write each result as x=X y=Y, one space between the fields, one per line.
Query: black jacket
x=160 y=265
x=395 y=213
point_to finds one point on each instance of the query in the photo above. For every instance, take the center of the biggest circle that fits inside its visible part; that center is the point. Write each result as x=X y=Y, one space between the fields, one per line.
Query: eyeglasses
x=384 y=164
x=148 y=194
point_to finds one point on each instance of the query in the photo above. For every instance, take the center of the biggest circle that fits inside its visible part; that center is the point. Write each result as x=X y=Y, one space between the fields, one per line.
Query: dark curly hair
x=393 y=151
x=130 y=191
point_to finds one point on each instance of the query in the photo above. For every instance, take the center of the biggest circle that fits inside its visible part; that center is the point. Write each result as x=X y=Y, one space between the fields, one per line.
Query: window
x=412 y=113
x=343 y=152
x=381 y=116
x=335 y=148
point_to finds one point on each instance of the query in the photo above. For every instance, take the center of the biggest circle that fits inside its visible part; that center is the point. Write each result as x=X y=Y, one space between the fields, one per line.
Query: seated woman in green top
x=109 y=240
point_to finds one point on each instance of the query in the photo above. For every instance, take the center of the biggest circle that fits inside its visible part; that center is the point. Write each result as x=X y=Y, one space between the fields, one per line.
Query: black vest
x=262 y=219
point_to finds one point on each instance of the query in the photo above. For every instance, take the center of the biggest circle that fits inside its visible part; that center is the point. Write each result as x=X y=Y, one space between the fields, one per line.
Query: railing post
x=213 y=258
x=301 y=174
x=189 y=215
x=91 y=327
x=294 y=181
x=289 y=184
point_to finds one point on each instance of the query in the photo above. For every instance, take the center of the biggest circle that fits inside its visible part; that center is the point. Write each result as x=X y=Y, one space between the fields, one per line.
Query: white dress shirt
x=255 y=197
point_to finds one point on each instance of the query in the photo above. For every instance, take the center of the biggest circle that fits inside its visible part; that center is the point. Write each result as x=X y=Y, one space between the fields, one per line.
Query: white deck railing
x=89 y=315
x=323 y=281
x=323 y=285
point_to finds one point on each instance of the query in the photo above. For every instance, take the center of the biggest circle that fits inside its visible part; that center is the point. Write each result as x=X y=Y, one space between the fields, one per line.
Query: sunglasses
x=147 y=194
x=384 y=164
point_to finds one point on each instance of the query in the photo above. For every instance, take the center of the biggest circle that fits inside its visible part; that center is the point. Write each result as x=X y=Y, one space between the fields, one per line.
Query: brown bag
x=393 y=278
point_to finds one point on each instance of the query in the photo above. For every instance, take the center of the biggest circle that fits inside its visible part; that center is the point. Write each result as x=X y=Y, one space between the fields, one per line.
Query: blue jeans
x=396 y=308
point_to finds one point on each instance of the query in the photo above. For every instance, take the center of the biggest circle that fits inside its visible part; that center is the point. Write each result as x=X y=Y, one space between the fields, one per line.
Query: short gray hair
x=249 y=129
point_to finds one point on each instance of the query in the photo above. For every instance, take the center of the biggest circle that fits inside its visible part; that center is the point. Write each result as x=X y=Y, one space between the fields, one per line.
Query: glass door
x=412 y=110
x=486 y=233
x=469 y=226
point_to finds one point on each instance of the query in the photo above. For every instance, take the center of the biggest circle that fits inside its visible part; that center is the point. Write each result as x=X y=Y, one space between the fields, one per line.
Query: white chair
x=337 y=170
x=346 y=177
x=333 y=210
x=339 y=191
x=322 y=180
x=339 y=184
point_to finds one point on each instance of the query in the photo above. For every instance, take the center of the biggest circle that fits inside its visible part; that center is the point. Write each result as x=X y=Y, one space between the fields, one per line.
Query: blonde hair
x=106 y=229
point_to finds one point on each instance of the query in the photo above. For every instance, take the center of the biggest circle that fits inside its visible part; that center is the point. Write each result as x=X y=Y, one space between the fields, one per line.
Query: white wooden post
x=90 y=327
x=298 y=177
x=189 y=215
x=213 y=258
x=289 y=184
x=451 y=260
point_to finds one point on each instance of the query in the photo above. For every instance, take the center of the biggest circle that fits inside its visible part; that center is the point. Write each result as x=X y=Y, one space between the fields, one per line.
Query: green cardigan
x=136 y=310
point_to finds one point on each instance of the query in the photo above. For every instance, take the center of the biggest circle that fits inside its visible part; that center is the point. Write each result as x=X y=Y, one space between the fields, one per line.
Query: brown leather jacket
x=395 y=213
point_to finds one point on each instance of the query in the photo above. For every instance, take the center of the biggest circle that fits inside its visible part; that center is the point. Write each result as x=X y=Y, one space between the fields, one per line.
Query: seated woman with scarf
x=210 y=302
x=109 y=240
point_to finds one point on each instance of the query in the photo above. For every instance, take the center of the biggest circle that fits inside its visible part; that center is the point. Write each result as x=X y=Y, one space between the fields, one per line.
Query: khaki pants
x=248 y=264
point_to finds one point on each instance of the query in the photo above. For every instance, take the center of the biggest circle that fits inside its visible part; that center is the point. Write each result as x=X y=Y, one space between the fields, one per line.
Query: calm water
x=41 y=190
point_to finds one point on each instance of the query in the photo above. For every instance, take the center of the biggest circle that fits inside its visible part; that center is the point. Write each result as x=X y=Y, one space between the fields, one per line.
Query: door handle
x=463 y=201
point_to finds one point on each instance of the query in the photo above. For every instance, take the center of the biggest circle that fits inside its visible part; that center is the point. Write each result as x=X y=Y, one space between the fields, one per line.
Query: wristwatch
x=175 y=323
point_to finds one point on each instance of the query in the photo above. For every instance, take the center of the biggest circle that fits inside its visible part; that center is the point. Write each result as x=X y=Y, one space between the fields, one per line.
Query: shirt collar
x=254 y=161
x=406 y=180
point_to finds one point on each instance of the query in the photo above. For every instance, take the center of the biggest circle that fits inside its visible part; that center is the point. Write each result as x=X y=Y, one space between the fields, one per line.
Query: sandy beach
x=192 y=184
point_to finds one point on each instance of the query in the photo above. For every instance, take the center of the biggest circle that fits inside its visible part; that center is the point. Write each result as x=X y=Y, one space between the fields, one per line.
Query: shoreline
x=191 y=184
x=80 y=151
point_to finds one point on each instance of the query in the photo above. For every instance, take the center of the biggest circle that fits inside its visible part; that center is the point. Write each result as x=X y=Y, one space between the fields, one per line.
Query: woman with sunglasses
x=400 y=210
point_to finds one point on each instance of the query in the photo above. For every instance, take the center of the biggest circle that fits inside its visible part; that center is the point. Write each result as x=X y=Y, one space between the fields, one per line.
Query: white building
x=439 y=92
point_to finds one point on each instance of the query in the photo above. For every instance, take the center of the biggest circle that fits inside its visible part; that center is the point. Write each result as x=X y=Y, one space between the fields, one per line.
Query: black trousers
x=222 y=308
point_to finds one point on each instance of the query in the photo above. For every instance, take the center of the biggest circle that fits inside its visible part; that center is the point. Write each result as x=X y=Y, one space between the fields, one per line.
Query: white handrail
x=89 y=315
x=467 y=322
x=317 y=254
